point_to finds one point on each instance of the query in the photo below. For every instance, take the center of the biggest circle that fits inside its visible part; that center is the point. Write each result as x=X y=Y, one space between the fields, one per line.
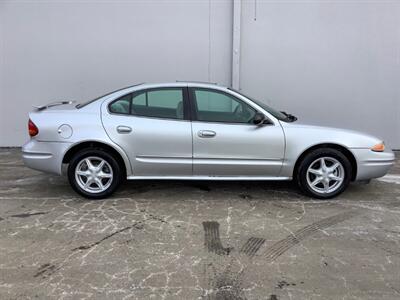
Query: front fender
x=300 y=138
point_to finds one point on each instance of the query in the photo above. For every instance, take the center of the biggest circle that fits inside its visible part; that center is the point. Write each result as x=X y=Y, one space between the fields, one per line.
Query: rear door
x=154 y=129
x=227 y=143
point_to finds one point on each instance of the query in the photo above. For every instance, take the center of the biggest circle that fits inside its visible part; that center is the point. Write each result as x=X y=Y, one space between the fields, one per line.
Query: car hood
x=323 y=134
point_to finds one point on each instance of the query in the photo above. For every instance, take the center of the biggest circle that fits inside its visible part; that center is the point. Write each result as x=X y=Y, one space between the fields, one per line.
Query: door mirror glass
x=258 y=119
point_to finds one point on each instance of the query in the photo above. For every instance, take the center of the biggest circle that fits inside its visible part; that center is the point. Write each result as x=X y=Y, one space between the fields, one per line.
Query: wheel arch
x=123 y=161
x=350 y=156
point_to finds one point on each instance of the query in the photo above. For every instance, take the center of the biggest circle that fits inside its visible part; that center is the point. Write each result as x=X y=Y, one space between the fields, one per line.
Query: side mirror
x=258 y=119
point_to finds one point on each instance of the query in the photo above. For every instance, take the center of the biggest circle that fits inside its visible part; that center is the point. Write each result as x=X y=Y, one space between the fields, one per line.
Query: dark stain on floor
x=228 y=284
x=252 y=245
x=212 y=239
x=277 y=249
x=45 y=270
x=223 y=286
x=27 y=215
x=137 y=225
x=281 y=284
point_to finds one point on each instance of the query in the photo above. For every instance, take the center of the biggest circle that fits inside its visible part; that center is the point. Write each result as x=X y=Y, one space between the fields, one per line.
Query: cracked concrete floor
x=195 y=240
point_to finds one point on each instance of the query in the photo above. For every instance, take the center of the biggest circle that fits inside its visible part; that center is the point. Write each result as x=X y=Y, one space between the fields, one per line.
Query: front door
x=226 y=143
x=153 y=129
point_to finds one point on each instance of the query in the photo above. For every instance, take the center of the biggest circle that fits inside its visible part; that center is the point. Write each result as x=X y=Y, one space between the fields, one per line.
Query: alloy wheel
x=94 y=174
x=325 y=175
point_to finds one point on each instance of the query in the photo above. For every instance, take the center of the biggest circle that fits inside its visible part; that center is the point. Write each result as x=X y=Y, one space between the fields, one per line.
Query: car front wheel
x=324 y=173
x=94 y=173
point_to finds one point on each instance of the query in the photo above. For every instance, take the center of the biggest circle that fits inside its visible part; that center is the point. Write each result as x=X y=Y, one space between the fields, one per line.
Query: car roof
x=143 y=86
x=180 y=84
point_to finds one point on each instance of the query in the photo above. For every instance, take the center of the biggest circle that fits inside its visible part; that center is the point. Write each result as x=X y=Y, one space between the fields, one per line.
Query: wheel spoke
x=323 y=164
x=88 y=183
x=83 y=173
x=89 y=164
x=315 y=171
x=104 y=175
x=334 y=167
x=334 y=177
x=316 y=181
x=326 y=186
x=100 y=166
x=99 y=183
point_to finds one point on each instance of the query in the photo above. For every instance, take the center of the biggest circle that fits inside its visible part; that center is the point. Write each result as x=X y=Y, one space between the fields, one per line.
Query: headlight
x=379 y=147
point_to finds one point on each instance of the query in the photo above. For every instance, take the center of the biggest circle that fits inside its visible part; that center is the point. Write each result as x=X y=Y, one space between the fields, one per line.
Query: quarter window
x=121 y=106
x=215 y=106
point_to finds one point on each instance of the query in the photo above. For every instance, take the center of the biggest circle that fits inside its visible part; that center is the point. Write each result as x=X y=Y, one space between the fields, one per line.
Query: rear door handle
x=123 y=129
x=206 y=133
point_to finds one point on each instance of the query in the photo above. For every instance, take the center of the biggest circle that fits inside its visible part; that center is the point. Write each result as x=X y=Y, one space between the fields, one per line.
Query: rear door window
x=156 y=103
x=159 y=103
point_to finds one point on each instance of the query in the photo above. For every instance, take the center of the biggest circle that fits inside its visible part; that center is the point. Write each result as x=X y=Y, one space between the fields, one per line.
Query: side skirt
x=227 y=178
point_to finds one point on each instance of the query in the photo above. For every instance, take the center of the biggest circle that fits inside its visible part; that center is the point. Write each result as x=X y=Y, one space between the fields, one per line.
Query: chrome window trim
x=146 y=117
x=229 y=123
x=109 y=98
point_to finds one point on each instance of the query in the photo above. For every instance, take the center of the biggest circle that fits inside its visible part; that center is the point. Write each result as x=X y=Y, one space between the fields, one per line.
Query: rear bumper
x=44 y=156
x=372 y=164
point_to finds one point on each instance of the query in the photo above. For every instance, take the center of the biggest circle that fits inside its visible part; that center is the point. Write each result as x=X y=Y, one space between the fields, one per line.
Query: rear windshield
x=83 y=104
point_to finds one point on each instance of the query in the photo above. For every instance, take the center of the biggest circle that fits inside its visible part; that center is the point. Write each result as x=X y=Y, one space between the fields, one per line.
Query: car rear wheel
x=324 y=173
x=94 y=174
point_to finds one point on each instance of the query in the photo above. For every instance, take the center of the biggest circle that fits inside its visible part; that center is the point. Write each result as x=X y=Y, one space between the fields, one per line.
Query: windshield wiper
x=289 y=117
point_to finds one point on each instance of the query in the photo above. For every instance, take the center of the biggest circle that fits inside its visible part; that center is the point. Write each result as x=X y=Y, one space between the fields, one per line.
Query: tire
x=101 y=181
x=324 y=183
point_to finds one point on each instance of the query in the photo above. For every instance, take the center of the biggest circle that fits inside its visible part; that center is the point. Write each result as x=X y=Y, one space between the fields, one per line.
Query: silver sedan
x=194 y=131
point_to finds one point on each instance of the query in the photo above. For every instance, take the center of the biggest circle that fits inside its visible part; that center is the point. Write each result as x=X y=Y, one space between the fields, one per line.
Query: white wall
x=328 y=62
x=52 y=50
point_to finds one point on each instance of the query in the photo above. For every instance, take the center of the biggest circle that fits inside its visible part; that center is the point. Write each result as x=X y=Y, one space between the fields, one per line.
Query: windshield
x=80 y=105
x=277 y=114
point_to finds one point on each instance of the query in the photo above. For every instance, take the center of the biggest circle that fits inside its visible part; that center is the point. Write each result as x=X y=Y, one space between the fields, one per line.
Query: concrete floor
x=194 y=240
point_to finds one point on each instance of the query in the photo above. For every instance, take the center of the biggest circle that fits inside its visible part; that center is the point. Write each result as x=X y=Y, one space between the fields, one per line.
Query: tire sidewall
x=117 y=174
x=310 y=158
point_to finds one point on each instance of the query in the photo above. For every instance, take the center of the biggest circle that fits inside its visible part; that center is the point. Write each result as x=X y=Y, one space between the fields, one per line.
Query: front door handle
x=206 y=133
x=123 y=129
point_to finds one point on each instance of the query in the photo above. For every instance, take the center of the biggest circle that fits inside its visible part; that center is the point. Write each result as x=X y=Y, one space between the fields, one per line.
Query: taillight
x=33 y=130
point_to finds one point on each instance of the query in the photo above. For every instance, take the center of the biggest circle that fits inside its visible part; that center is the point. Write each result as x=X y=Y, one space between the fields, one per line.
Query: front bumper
x=372 y=164
x=44 y=156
